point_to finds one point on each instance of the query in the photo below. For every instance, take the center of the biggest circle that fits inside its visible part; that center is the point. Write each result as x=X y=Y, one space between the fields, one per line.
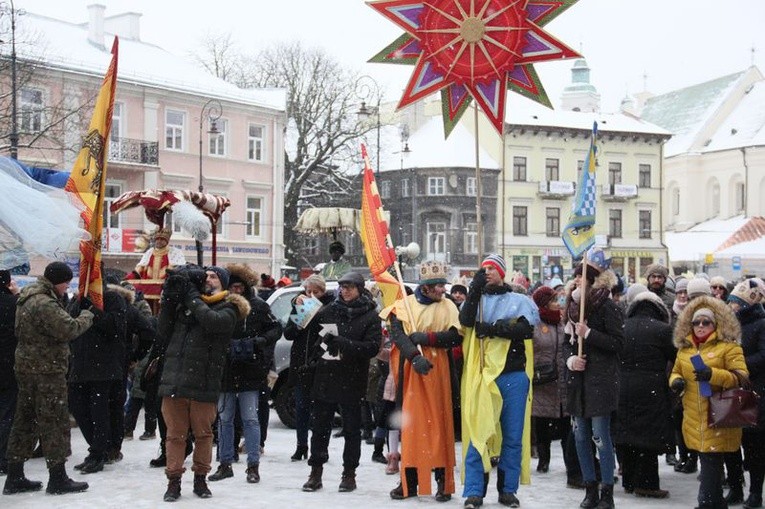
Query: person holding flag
x=424 y=327
x=496 y=411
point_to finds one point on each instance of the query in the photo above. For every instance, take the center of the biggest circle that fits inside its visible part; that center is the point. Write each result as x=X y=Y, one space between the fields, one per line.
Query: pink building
x=160 y=135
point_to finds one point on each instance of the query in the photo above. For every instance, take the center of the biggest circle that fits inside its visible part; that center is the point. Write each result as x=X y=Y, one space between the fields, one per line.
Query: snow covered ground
x=132 y=484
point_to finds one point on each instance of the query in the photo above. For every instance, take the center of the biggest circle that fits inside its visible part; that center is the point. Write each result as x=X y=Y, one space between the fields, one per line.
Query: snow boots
x=17 y=483
x=173 y=492
x=200 y=486
x=314 y=479
x=60 y=483
x=348 y=480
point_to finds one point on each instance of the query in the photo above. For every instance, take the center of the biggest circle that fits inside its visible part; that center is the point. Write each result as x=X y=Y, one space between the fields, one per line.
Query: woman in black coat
x=342 y=338
x=746 y=302
x=643 y=426
x=300 y=373
x=593 y=378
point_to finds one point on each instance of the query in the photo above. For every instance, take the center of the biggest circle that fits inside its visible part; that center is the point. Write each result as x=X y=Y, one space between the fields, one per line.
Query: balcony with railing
x=619 y=192
x=126 y=150
x=556 y=189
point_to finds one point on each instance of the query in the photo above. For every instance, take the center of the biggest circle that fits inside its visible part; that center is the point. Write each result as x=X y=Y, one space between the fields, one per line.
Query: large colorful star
x=473 y=49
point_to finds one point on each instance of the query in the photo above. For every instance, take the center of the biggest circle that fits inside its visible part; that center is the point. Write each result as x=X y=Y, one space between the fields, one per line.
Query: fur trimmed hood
x=648 y=298
x=126 y=294
x=244 y=273
x=728 y=327
x=240 y=303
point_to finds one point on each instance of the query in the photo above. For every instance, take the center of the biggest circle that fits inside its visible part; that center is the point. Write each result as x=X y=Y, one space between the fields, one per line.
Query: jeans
x=514 y=389
x=597 y=429
x=248 y=407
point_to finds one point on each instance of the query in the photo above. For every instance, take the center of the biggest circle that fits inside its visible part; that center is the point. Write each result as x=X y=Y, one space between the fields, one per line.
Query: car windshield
x=282 y=306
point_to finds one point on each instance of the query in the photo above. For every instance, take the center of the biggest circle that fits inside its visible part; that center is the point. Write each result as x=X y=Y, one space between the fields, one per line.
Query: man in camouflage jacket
x=44 y=329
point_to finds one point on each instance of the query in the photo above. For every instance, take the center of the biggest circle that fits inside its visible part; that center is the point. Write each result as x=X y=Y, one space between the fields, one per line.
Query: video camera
x=195 y=274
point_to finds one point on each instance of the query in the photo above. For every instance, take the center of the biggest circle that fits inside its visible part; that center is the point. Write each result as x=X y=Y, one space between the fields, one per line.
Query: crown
x=433 y=272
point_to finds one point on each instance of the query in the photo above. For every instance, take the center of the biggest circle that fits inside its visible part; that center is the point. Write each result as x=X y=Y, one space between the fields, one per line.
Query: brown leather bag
x=734 y=408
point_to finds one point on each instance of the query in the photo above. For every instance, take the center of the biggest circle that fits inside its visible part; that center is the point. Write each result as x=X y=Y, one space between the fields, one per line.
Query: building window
x=218 y=140
x=405 y=188
x=385 y=189
x=253 y=215
x=519 y=168
x=310 y=245
x=471 y=238
x=520 y=221
x=255 y=142
x=174 y=121
x=552 y=169
x=31 y=110
x=470 y=186
x=436 y=186
x=115 y=147
x=111 y=193
x=644 y=175
x=437 y=240
x=740 y=197
x=552 y=223
x=615 y=223
x=614 y=173
x=644 y=224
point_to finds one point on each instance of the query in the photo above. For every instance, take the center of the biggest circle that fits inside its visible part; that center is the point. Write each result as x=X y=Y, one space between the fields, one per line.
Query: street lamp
x=366 y=89
x=14 y=136
x=213 y=110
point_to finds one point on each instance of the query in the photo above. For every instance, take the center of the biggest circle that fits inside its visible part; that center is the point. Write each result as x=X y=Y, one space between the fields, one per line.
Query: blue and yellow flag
x=88 y=180
x=579 y=233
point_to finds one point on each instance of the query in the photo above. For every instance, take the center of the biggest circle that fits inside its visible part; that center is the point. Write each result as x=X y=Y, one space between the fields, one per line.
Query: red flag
x=375 y=236
x=88 y=181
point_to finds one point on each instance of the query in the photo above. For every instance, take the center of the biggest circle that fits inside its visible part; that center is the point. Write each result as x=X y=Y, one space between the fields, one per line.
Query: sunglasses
x=718 y=287
x=702 y=323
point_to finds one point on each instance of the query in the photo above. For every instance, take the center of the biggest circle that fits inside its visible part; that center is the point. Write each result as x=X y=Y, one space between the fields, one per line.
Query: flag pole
x=582 y=299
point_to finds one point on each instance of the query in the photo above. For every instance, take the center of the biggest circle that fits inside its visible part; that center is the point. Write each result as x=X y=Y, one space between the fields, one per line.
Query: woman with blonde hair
x=707 y=327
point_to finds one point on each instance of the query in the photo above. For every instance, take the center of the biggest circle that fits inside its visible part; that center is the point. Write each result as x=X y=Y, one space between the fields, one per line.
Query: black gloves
x=478 y=282
x=704 y=374
x=191 y=294
x=514 y=329
x=419 y=338
x=336 y=344
x=677 y=386
x=175 y=288
x=421 y=365
x=484 y=330
x=85 y=303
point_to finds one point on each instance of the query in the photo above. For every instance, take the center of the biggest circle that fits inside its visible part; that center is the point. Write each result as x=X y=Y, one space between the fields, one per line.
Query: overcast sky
x=676 y=43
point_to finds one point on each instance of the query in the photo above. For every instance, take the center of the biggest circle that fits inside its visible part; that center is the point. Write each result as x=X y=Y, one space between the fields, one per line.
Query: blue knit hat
x=497 y=262
x=222 y=274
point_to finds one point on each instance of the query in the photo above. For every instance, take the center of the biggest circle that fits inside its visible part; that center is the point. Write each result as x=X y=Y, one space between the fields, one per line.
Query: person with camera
x=342 y=337
x=245 y=375
x=44 y=330
x=196 y=323
x=495 y=386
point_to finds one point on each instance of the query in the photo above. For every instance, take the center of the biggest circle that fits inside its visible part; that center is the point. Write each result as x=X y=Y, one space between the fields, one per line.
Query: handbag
x=734 y=408
x=547 y=372
x=242 y=349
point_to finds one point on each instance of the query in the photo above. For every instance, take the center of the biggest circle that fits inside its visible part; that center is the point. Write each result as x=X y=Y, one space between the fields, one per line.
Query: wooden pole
x=478 y=222
x=582 y=299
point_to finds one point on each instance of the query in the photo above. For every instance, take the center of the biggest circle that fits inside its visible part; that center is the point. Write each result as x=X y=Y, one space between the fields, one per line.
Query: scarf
x=550 y=316
x=697 y=340
x=422 y=299
x=214 y=298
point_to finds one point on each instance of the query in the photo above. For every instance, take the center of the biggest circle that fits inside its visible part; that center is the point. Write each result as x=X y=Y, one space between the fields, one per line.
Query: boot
x=392 y=467
x=441 y=496
x=473 y=502
x=735 y=496
x=348 y=480
x=224 y=472
x=159 y=461
x=93 y=465
x=301 y=453
x=253 y=476
x=314 y=479
x=377 y=454
x=509 y=499
x=17 y=483
x=200 y=486
x=543 y=451
x=79 y=466
x=59 y=483
x=753 y=502
x=397 y=493
x=173 y=492
x=606 y=497
x=591 y=497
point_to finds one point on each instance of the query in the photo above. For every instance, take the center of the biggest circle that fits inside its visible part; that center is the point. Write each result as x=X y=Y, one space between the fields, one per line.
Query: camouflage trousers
x=42 y=411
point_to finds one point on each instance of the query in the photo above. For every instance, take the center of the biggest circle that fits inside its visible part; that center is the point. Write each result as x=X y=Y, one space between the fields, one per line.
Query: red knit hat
x=542 y=296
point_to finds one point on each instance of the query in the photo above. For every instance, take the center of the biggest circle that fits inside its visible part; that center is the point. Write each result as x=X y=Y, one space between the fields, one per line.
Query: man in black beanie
x=44 y=330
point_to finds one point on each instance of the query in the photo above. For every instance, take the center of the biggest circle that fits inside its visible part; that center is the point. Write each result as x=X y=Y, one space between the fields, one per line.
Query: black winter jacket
x=753 y=343
x=251 y=375
x=99 y=353
x=194 y=340
x=7 y=339
x=644 y=418
x=299 y=351
x=345 y=380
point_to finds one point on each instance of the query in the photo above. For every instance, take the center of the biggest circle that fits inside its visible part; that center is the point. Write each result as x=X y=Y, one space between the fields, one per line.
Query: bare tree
x=322 y=131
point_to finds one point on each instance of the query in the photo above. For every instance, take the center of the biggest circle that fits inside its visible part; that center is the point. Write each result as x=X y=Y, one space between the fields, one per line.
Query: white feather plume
x=191 y=220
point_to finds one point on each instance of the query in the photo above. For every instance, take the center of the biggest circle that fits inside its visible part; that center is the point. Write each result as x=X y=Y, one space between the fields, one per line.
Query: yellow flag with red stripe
x=88 y=181
x=375 y=236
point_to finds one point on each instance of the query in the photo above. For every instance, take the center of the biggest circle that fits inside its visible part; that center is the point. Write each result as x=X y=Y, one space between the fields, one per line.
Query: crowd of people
x=617 y=375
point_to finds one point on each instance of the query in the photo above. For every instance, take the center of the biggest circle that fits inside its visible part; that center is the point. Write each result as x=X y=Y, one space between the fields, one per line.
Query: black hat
x=223 y=275
x=353 y=278
x=5 y=277
x=459 y=288
x=337 y=246
x=58 y=272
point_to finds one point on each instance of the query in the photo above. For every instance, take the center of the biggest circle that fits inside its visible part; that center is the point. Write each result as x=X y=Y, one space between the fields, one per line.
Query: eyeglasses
x=717 y=287
x=702 y=323
x=347 y=286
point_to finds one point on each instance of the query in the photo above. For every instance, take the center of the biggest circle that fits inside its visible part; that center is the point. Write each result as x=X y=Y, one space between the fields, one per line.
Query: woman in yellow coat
x=709 y=328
